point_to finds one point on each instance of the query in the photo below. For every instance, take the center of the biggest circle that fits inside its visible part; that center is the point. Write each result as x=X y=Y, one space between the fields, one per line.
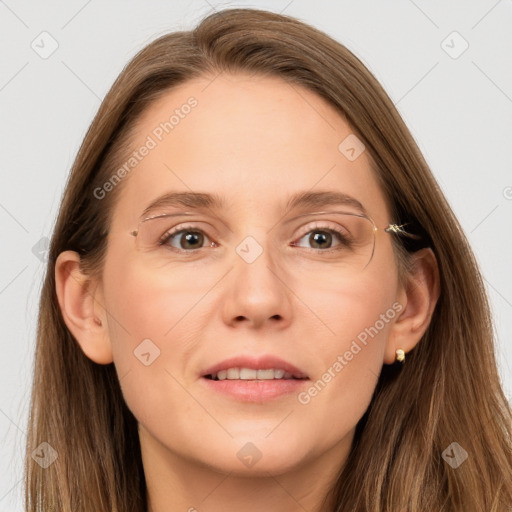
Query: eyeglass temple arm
x=399 y=230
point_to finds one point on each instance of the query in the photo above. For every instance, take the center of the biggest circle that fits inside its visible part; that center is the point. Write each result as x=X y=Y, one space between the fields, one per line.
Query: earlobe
x=419 y=298
x=82 y=308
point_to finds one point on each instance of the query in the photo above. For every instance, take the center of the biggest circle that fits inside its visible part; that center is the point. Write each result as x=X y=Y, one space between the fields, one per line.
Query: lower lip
x=255 y=390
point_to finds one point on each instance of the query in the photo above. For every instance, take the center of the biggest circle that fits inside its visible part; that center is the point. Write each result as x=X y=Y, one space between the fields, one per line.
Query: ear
x=418 y=299
x=81 y=304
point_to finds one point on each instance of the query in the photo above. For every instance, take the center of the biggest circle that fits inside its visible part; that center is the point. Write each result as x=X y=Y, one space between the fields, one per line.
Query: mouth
x=262 y=374
x=254 y=367
x=255 y=379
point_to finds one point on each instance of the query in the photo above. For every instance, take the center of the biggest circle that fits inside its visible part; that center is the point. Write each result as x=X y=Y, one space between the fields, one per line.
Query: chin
x=253 y=456
x=268 y=464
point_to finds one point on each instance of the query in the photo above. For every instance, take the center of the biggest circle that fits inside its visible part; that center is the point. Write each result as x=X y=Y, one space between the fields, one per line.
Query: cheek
x=145 y=303
x=150 y=334
x=140 y=313
x=357 y=315
x=346 y=308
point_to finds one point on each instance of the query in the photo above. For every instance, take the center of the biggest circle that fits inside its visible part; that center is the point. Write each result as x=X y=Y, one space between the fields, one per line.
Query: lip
x=262 y=362
x=255 y=390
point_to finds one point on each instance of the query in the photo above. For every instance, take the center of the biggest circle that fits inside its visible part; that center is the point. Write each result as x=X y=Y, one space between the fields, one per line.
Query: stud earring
x=400 y=355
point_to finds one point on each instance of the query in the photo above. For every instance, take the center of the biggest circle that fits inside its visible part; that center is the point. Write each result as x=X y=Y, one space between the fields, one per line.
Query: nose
x=257 y=293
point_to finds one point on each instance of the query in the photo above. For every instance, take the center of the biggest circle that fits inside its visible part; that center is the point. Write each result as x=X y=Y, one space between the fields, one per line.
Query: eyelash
x=342 y=238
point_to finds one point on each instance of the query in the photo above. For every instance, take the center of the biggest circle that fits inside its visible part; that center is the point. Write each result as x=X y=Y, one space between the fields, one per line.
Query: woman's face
x=254 y=278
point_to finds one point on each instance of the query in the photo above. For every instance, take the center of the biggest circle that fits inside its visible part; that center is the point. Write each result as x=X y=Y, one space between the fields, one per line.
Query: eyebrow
x=193 y=200
x=318 y=199
x=299 y=200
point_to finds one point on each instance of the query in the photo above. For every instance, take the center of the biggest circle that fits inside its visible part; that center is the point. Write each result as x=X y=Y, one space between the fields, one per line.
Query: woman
x=257 y=297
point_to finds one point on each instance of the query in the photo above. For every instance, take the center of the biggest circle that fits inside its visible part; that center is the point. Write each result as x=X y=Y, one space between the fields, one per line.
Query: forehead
x=252 y=141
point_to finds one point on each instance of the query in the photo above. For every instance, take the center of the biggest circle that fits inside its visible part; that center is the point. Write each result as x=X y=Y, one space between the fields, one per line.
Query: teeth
x=265 y=374
x=233 y=373
x=251 y=374
x=246 y=374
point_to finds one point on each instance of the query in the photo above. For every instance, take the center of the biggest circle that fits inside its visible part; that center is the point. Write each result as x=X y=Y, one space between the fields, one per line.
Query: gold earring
x=400 y=355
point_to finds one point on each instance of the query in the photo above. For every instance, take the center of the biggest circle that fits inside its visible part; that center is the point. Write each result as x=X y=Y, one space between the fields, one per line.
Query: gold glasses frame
x=392 y=228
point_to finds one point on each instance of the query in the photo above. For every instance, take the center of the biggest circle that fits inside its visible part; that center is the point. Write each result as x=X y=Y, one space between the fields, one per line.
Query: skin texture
x=254 y=141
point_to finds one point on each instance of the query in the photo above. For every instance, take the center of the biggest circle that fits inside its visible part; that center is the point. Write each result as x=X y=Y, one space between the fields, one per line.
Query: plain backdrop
x=446 y=65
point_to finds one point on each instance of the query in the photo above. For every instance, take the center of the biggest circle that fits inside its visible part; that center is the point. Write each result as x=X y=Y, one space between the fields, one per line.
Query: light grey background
x=458 y=107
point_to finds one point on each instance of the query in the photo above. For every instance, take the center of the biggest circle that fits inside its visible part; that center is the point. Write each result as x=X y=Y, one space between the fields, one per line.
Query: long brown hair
x=449 y=389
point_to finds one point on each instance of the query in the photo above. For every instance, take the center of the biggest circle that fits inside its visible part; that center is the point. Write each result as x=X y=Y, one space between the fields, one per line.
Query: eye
x=322 y=238
x=187 y=239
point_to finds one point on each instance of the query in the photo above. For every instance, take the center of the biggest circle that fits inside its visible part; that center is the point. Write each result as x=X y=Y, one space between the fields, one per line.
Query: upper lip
x=262 y=362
